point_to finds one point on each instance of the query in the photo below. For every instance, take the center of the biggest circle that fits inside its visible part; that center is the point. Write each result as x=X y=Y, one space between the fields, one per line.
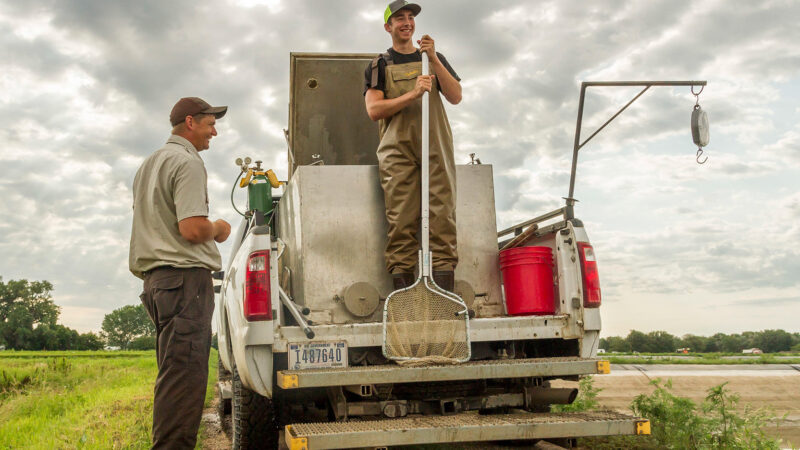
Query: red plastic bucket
x=528 y=280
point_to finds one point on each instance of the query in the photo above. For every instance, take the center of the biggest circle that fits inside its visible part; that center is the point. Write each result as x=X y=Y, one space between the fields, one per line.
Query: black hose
x=233 y=189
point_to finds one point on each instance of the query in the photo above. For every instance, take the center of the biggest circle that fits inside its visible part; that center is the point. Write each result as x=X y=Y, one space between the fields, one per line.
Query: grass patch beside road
x=698 y=358
x=79 y=399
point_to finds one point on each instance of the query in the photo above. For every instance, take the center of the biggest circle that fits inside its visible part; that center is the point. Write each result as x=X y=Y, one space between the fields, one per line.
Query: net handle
x=425 y=213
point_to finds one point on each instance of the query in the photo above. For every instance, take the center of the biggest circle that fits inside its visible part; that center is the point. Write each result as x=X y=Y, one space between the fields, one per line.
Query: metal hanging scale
x=699 y=127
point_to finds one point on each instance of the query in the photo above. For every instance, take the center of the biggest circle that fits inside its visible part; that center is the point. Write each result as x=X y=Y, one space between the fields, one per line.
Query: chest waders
x=399 y=161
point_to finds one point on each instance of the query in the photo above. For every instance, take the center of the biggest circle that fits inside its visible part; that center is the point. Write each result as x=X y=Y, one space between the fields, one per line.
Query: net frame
x=399 y=348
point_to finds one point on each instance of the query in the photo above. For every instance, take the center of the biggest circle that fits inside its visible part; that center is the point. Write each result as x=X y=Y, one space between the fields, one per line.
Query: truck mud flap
x=461 y=428
x=473 y=370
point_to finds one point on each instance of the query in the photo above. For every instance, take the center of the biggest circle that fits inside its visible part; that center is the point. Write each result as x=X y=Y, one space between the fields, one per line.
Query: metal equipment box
x=332 y=222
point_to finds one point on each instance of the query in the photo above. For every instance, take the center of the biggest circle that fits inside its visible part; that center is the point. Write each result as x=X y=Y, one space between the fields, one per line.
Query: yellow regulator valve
x=273 y=179
x=246 y=179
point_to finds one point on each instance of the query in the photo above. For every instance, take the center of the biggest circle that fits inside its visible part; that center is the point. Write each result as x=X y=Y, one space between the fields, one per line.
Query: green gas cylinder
x=259 y=193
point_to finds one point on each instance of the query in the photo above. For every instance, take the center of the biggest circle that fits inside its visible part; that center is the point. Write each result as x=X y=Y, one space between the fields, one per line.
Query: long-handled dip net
x=424 y=324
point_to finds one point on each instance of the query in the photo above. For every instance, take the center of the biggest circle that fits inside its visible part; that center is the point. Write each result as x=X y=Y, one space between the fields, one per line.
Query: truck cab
x=299 y=313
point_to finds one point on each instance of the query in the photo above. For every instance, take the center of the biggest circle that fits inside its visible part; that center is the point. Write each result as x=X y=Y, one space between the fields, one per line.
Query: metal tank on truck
x=302 y=310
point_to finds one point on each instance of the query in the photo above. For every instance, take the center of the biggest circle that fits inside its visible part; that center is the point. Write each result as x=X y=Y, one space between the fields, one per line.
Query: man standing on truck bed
x=394 y=85
x=173 y=251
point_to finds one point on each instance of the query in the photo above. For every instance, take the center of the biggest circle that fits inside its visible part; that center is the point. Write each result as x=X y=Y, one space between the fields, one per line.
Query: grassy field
x=700 y=358
x=79 y=399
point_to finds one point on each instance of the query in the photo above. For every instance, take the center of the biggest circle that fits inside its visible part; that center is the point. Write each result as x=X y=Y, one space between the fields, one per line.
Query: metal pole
x=426 y=258
x=298 y=317
x=575 y=148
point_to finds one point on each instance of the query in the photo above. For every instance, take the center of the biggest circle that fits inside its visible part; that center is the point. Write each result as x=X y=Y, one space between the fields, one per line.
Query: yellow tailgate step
x=467 y=427
x=472 y=370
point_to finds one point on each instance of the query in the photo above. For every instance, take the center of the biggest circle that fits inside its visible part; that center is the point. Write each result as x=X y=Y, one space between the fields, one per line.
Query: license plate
x=317 y=355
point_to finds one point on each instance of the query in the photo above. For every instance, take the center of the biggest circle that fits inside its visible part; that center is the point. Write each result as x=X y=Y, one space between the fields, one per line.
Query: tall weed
x=677 y=422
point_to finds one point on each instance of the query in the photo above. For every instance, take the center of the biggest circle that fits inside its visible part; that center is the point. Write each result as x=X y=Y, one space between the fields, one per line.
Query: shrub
x=677 y=422
x=586 y=399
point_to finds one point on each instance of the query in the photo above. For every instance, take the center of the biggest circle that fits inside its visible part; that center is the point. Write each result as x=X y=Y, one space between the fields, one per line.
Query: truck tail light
x=257 y=300
x=591 y=277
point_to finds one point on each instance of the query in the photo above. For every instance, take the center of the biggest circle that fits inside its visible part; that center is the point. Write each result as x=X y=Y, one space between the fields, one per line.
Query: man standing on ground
x=173 y=251
x=394 y=85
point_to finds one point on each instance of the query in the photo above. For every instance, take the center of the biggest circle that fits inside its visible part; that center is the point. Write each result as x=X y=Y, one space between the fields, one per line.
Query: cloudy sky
x=86 y=88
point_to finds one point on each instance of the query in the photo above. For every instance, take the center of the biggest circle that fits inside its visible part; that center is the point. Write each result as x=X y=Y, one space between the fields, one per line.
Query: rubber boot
x=402 y=280
x=445 y=279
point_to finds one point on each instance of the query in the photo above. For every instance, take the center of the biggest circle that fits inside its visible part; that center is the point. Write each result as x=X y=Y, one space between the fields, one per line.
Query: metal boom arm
x=578 y=144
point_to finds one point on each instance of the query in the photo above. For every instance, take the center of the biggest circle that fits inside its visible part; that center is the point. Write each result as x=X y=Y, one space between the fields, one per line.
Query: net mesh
x=424 y=325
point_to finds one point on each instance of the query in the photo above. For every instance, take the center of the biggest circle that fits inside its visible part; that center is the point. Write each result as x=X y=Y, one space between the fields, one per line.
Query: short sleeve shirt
x=169 y=187
x=399 y=58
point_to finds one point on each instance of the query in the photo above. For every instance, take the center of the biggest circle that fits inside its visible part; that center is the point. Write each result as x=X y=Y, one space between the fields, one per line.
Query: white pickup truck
x=299 y=315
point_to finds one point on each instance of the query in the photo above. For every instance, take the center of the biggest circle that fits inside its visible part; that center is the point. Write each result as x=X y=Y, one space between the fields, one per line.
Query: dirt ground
x=216 y=435
x=758 y=386
x=778 y=390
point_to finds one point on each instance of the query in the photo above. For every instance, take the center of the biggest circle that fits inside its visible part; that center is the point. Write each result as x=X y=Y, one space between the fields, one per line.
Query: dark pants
x=180 y=302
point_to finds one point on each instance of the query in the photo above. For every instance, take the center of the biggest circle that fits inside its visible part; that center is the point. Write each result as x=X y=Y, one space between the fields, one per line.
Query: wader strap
x=387 y=57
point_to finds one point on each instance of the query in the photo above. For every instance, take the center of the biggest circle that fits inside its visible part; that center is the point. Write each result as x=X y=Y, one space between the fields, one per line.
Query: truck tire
x=255 y=422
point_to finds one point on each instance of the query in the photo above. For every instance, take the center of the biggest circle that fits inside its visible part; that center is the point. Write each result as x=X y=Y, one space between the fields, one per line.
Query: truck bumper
x=473 y=370
x=480 y=330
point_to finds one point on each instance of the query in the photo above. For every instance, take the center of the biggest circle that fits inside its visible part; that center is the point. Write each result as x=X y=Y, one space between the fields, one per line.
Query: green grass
x=645 y=359
x=79 y=399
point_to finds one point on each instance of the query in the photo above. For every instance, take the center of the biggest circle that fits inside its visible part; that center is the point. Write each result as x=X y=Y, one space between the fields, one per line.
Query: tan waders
x=399 y=155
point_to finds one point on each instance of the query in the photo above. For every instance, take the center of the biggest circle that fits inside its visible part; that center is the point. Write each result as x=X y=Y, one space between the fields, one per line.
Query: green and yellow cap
x=397 y=5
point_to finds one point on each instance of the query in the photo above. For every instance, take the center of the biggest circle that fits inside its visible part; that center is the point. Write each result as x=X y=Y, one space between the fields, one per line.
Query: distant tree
x=32 y=295
x=617 y=344
x=123 y=325
x=17 y=330
x=748 y=339
x=215 y=342
x=90 y=341
x=637 y=340
x=660 y=342
x=732 y=343
x=143 y=343
x=695 y=343
x=44 y=338
x=771 y=341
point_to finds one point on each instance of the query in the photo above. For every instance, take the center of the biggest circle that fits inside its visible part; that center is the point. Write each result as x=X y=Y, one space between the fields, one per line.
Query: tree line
x=769 y=341
x=29 y=321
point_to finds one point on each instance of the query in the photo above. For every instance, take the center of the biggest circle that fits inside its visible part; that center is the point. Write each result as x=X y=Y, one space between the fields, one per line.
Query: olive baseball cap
x=189 y=106
x=397 y=5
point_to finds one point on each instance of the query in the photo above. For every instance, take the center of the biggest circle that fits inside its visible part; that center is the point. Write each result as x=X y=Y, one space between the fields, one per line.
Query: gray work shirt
x=169 y=187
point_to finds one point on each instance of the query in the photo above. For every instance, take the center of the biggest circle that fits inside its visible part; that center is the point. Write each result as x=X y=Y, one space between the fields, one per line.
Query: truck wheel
x=255 y=422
